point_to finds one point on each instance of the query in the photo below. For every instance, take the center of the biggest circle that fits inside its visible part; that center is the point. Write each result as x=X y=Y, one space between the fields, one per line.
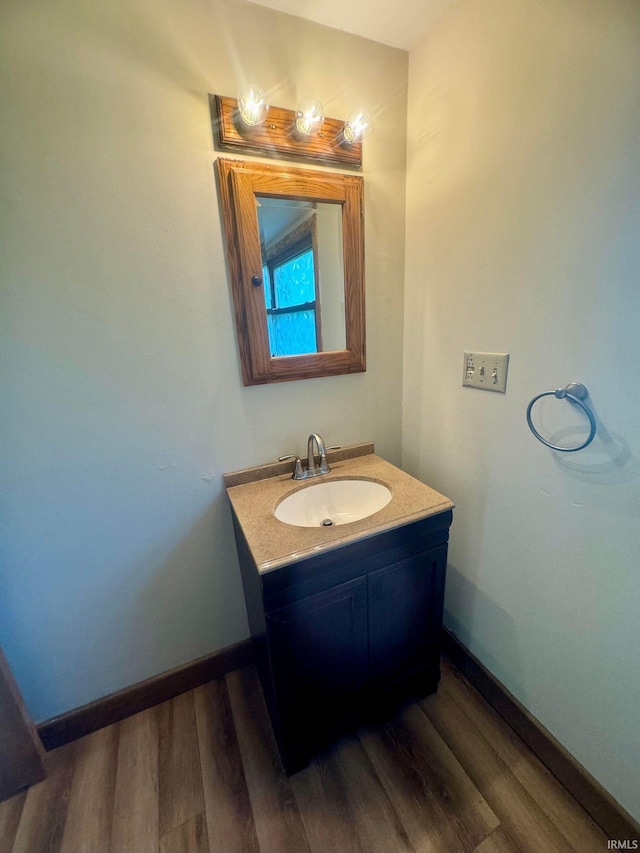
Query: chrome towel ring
x=576 y=393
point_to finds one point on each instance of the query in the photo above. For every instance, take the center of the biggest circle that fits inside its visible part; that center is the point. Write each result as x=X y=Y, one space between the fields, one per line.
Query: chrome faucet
x=322 y=468
x=312 y=470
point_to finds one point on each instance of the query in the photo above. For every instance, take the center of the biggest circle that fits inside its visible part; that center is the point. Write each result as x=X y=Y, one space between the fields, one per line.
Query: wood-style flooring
x=200 y=774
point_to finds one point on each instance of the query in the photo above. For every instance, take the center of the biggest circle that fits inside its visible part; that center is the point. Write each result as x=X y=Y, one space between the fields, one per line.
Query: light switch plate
x=486 y=370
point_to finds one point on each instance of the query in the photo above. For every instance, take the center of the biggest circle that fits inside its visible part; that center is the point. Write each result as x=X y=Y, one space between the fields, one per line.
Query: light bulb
x=309 y=116
x=252 y=105
x=356 y=127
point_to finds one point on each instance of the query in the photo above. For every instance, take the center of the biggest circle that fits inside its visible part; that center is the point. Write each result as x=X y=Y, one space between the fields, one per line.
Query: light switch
x=487 y=370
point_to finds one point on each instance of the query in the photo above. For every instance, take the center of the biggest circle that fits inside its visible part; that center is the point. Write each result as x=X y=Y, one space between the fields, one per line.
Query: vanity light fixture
x=309 y=116
x=252 y=105
x=243 y=126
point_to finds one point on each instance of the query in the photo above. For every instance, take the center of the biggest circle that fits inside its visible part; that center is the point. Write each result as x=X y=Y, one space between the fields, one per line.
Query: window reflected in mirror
x=303 y=275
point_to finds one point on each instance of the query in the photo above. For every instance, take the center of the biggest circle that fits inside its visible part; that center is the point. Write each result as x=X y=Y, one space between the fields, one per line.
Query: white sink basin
x=333 y=502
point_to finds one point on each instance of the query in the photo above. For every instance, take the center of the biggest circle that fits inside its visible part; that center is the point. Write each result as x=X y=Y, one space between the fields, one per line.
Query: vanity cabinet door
x=318 y=648
x=405 y=621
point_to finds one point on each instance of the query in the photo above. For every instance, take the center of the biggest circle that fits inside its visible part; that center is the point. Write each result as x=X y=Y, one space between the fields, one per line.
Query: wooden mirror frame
x=239 y=184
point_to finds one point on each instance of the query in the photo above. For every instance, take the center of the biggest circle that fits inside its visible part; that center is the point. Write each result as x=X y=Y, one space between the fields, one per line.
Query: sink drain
x=326 y=522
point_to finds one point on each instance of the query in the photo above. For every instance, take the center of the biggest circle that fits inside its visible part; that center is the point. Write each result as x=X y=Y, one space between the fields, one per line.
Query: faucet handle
x=297 y=471
x=324 y=465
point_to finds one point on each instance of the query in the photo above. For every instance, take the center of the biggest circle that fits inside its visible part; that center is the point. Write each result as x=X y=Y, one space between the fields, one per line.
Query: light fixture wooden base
x=277 y=136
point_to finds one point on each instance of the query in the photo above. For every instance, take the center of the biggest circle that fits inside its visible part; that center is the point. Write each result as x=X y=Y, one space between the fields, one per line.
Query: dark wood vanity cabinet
x=345 y=635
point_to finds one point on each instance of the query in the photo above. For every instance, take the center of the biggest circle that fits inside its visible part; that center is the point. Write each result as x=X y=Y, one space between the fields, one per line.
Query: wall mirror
x=295 y=246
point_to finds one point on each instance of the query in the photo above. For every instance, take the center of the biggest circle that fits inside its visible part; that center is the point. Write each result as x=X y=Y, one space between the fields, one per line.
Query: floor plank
x=10 y=812
x=135 y=812
x=230 y=823
x=179 y=778
x=517 y=810
x=344 y=806
x=437 y=802
x=580 y=831
x=500 y=841
x=324 y=809
x=87 y=828
x=278 y=823
x=189 y=837
x=45 y=809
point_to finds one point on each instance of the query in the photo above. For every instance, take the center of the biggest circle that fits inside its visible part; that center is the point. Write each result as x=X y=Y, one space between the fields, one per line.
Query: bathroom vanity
x=345 y=619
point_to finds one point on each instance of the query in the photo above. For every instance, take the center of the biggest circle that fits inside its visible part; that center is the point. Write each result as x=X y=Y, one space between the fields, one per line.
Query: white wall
x=331 y=276
x=122 y=395
x=523 y=236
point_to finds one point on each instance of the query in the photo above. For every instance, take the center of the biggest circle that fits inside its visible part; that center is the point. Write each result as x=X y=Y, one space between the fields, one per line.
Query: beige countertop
x=274 y=544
